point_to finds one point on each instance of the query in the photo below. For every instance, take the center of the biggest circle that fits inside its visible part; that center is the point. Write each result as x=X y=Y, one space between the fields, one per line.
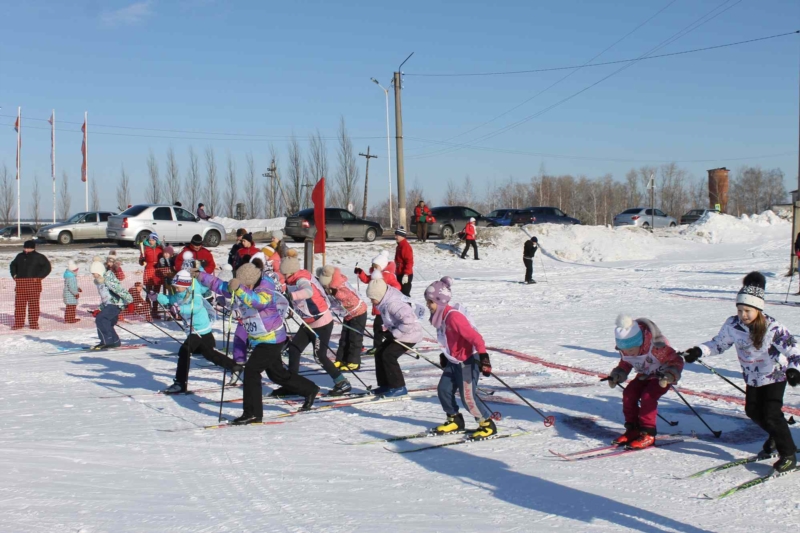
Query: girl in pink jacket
x=353 y=313
x=463 y=359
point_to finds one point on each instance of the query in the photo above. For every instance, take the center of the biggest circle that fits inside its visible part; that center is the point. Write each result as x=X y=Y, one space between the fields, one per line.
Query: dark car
x=696 y=214
x=502 y=217
x=339 y=224
x=26 y=232
x=451 y=219
x=542 y=215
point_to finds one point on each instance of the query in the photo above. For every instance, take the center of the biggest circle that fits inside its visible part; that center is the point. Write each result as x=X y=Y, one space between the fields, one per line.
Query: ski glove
x=486 y=364
x=442 y=361
x=692 y=354
x=130 y=308
x=233 y=284
x=616 y=377
x=357 y=271
x=405 y=279
x=195 y=272
x=793 y=377
x=95 y=313
x=666 y=380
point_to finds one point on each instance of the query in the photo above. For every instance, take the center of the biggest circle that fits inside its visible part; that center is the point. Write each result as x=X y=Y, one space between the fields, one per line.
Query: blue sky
x=273 y=69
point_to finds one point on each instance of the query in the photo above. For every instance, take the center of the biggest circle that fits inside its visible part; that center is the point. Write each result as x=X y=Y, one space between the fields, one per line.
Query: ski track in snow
x=74 y=461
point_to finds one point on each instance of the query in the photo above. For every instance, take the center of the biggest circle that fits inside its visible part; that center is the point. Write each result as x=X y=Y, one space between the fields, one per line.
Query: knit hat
x=169 y=250
x=182 y=279
x=197 y=240
x=153 y=235
x=248 y=237
x=290 y=264
x=29 y=244
x=248 y=274
x=534 y=239
x=72 y=266
x=277 y=234
x=628 y=334
x=401 y=231
x=382 y=260
x=472 y=219
x=377 y=288
x=97 y=268
x=439 y=291
x=268 y=251
x=752 y=291
x=326 y=276
x=188 y=256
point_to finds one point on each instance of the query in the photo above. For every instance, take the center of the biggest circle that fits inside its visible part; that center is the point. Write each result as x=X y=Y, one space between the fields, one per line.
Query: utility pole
x=366 y=182
x=795 y=219
x=272 y=174
x=397 y=81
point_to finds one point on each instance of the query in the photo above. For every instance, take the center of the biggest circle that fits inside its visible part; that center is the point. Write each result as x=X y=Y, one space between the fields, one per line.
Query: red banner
x=318 y=199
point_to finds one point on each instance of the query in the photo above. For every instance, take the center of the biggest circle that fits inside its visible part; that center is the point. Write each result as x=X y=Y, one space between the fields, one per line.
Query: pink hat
x=439 y=291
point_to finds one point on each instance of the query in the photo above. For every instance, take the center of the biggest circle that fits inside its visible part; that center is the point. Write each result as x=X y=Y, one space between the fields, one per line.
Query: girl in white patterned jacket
x=770 y=358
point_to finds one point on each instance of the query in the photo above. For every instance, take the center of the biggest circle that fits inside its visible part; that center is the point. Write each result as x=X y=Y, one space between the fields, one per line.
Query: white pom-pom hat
x=627 y=334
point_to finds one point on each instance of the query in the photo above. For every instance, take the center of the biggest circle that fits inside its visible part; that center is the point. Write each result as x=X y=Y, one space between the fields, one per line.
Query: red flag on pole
x=83 y=151
x=318 y=199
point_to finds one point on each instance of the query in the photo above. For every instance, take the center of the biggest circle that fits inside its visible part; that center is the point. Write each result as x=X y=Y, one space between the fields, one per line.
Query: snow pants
x=464 y=379
x=387 y=368
x=405 y=288
x=640 y=403
x=204 y=345
x=351 y=343
x=468 y=243
x=377 y=333
x=763 y=406
x=528 y=268
x=105 y=321
x=320 y=341
x=268 y=357
x=69 y=314
x=26 y=299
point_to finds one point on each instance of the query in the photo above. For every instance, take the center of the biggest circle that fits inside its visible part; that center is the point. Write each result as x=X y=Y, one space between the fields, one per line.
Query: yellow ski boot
x=454 y=424
x=485 y=430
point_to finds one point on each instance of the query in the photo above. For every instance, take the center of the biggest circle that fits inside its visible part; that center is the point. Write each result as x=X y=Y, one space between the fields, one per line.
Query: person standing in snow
x=770 y=358
x=468 y=234
x=71 y=292
x=528 y=252
x=114 y=264
x=113 y=299
x=402 y=332
x=404 y=260
x=381 y=264
x=277 y=243
x=28 y=269
x=308 y=301
x=421 y=215
x=463 y=359
x=643 y=348
x=354 y=310
x=203 y=258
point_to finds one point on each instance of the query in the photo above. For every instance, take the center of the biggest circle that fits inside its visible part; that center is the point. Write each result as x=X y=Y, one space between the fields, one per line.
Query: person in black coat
x=233 y=255
x=531 y=245
x=28 y=269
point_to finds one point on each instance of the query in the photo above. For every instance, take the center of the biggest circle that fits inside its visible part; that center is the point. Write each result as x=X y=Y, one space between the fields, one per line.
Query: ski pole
x=164 y=332
x=548 y=420
x=791 y=276
x=670 y=422
x=715 y=433
x=135 y=335
x=227 y=347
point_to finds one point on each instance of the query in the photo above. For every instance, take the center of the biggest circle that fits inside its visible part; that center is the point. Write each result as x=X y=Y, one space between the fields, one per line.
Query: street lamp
x=388 y=148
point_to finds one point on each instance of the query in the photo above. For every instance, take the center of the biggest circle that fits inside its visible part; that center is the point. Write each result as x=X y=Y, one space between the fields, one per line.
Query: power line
x=587 y=65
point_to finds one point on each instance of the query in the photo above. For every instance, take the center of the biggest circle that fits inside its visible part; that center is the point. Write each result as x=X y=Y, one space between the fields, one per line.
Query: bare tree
x=452 y=196
x=231 y=191
x=294 y=176
x=317 y=166
x=212 y=183
x=153 y=191
x=173 y=177
x=123 y=190
x=7 y=196
x=64 y=199
x=754 y=189
x=251 y=190
x=94 y=196
x=345 y=191
x=36 y=200
x=193 y=179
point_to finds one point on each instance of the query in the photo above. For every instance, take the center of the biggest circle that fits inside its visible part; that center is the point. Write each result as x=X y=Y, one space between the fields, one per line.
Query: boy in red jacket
x=404 y=260
x=469 y=238
x=354 y=311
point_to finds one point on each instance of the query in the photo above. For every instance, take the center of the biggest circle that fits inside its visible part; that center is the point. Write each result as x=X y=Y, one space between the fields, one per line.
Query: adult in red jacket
x=421 y=216
x=404 y=259
x=382 y=264
x=200 y=255
x=152 y=278
x=469 y=238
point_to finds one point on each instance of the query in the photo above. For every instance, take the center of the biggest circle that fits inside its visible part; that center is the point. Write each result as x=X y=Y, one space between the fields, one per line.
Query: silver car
x=173 y=225
x=79 y=227
x=644 y=217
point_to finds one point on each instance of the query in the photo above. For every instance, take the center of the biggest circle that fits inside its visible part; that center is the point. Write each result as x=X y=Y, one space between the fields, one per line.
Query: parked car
x=542 y=215
x=173 y=224
x=26 y=232
x=696 y=214
x=339 y=224
x=643 y=217
x=451 y=219
x=502 y=217
x=79 y=227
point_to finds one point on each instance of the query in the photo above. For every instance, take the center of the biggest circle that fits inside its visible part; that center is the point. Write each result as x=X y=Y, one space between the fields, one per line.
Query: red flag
x=83 y=151
x=318 y=199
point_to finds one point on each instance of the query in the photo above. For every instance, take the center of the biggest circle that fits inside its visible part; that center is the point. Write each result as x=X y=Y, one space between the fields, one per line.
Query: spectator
x=166 y=266
x=528 y=252
x=28 y=269
x=277 y=243
x=115 y=265
x=71 y=292
x=247 y=250
x=233 y=255
x=201 y=256
x=404 y=260
x=422 y=216
x=201 y=212
x=468 y=234
x=152 y=252
x=178 y=204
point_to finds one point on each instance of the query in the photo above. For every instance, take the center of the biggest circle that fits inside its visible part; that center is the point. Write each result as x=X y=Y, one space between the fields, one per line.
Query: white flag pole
x=86 y=138
x=53 y=160
x=19 y=164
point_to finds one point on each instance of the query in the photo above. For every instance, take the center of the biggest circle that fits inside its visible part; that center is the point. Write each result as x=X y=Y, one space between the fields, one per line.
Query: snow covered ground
x=84 y=447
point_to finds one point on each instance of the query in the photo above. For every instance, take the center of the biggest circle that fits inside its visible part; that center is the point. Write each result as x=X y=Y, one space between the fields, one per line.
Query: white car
x=80 y=226
x=173 y=225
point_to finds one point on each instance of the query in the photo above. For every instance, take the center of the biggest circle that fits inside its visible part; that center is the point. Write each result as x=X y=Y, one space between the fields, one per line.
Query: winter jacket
x=458 y=339
x=245 y=254
x=233 y=255
x=116 y=268
x=112 y=292
x=530 y=249
x=398 y=317
x=260 y=315
x=388 y=277
x=152 y=253
x=764 y=366
x=192 y=307
x=201 y=214
x=165 y=267
x=308 y=299
x=346 y=296
x=469 y=231
x=404 y=259
x=202 y=255
x=30 y=265
x=655 y=358
x=421 y=214
x=71 y=293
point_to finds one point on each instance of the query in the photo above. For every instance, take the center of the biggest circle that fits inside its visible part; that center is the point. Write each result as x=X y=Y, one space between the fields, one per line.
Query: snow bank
x=716 y=228
x=252 y=225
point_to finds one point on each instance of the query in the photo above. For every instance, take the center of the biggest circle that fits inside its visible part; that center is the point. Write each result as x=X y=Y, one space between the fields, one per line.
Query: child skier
x=165 y=267
x=199 y=315
x=348 y=356
x=381 y=264
x=256 y=298
x=463 y=358
x=71 y=293
x=468 y=234
x=770 y=358
x=308 y=300
x=643 y=348
x=528 y=252
x=113 y=298
x=402 y=331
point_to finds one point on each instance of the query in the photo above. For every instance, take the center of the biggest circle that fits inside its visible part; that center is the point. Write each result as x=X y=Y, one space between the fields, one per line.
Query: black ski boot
x=175 y=388
x=785 y=464
x=767 y=450
x=310 y=400
x=341 y=388
x=245 y=420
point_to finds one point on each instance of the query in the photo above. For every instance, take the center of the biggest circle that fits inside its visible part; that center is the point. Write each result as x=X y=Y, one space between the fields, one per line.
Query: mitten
x=405 y=279
x=130 y=308
x=195 y=272
x=692 y=354
x=95 y=313
x=793 y=377
x=233 y=285
x=486 y=364
x=442 y=361
x=616 y=377
x=358 y=271
x=141 y=260
x=669 y=377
